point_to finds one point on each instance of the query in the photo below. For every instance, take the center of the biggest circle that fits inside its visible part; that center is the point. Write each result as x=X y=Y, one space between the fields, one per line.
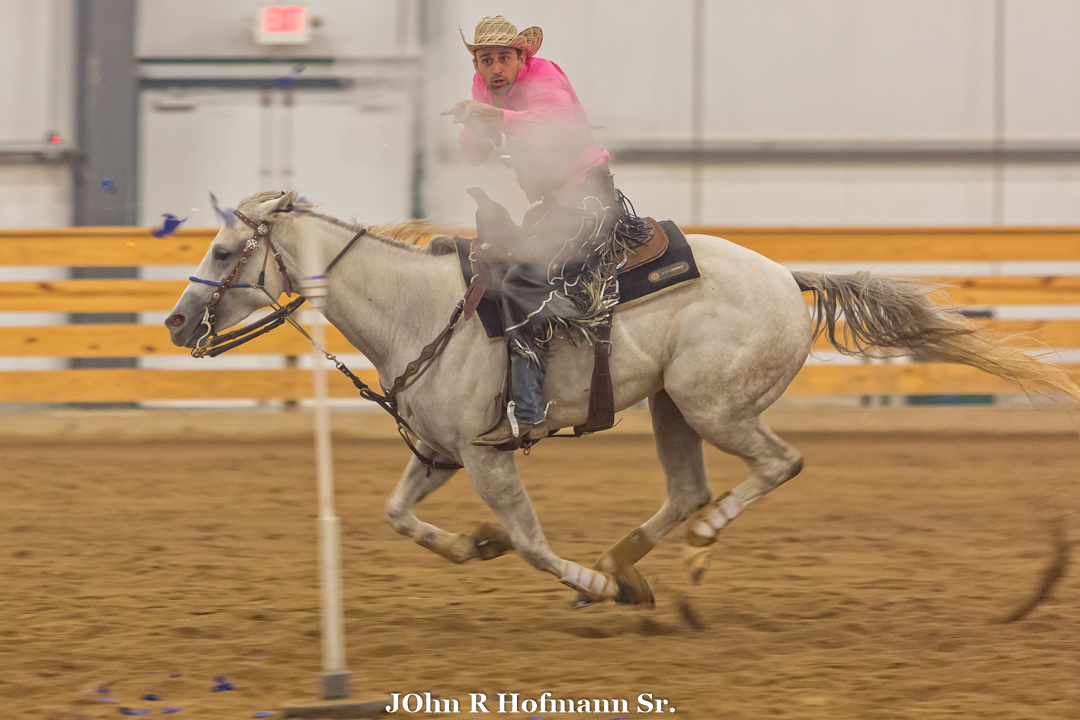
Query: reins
x=212 y=345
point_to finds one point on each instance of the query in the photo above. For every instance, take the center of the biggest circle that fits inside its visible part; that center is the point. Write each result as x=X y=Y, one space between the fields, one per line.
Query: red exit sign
x=283 y=18
x=283 y=24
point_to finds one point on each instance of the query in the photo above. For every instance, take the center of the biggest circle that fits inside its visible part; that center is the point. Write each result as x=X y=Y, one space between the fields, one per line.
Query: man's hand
x=477 y=116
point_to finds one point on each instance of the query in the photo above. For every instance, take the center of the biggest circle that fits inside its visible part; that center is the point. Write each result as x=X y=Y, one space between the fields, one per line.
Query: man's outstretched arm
x=482 y=131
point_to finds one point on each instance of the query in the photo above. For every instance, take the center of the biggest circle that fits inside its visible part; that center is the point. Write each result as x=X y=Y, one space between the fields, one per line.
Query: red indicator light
x=55 y=139
x=283 y=19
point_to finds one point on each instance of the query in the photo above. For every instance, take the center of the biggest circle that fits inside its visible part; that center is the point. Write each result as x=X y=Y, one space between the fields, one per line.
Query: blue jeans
x=527 y=383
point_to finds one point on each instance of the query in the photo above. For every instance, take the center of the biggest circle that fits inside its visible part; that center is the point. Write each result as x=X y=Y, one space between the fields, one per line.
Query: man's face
x=498 y=67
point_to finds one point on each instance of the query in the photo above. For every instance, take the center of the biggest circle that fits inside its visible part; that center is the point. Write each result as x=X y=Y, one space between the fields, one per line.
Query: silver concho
x=252 y=244
x=263 y=228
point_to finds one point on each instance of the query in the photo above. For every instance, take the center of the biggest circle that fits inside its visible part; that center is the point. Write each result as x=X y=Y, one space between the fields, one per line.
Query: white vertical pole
x=333 y=633
x=335 y=678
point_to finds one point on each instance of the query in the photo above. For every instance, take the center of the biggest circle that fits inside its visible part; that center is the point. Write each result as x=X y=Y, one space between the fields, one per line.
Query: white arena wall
x=771 y=73
x=774 y=92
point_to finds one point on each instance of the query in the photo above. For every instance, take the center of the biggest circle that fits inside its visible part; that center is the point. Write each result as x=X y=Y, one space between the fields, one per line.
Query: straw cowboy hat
x=498 y=32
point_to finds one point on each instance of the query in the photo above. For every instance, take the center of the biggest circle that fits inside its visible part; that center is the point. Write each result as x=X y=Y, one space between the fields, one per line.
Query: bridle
x=211 y=344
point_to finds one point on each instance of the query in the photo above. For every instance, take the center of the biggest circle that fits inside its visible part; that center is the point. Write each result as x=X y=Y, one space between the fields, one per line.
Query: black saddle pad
x=675 y=266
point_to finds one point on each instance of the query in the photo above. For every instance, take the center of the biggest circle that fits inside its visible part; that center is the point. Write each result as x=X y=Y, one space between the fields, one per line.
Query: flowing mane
x=419 y=233
x=416 y=235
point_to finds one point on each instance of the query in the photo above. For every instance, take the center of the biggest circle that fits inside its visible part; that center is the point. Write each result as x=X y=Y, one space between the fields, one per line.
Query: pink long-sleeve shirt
x=547 y=135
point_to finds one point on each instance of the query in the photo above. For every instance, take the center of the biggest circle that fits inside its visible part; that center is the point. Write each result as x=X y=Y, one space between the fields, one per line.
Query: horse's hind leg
x=772 y=463
x=415 y=484
x=679 y=448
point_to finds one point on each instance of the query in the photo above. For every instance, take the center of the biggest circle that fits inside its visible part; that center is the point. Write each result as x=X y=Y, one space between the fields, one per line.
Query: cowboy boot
x=527 y=381
x=498 y=435
x=504 y=433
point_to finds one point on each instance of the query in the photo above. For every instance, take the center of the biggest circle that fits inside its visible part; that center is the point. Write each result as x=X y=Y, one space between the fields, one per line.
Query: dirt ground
x=871 y=586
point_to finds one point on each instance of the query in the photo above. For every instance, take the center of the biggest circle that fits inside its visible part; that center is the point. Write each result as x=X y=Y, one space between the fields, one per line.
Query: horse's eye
x=221 y=253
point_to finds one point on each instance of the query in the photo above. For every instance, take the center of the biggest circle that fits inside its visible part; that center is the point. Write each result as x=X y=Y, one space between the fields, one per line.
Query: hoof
x=491 y=541
x=697 y=560
x=581 y=601
x=634 y=589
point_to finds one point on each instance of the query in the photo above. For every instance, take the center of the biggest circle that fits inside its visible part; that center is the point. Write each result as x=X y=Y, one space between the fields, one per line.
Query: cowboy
x=560 y=277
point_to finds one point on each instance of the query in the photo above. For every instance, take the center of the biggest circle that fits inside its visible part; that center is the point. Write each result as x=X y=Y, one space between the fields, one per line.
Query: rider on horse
x=561 y=274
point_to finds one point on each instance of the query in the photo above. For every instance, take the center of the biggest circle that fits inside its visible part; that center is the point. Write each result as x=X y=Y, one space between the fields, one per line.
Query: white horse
x=710 y=355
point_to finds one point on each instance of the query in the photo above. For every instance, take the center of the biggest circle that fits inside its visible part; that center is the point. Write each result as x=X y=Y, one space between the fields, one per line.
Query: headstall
x=211 y=344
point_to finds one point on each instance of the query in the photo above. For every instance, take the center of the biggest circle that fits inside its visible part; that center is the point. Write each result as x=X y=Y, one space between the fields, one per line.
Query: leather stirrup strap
x=601 y=397
x=475 y=293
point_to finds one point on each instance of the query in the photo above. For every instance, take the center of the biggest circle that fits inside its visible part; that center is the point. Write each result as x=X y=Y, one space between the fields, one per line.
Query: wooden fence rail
x=134 y=247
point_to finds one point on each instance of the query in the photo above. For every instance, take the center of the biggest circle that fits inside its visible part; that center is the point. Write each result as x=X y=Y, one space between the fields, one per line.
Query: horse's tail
x=893 y=316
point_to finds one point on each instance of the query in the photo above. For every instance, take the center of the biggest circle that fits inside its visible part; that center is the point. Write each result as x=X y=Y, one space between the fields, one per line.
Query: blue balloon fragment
x=169 y=226
x=129 y=711
x=226 y=214
x=169 y=711
x=109 y=186
x=150 y=697
x=264 y=713
x=222 y=684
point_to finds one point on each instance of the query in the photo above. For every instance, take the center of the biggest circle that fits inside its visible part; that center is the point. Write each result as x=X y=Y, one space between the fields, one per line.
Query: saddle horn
x=493 y=222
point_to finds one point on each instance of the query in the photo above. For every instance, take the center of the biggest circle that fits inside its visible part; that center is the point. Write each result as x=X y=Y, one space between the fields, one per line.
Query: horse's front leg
x=415 y=484
x=496 y=481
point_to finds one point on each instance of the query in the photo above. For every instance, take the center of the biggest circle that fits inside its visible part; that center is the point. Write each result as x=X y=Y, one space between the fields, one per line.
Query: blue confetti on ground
x=169 y=711
x=150 y=697
x=264 y=713
x=110 y=700
x=129 y=711
x=176 y=675
x=103 y=690
x=222 y=684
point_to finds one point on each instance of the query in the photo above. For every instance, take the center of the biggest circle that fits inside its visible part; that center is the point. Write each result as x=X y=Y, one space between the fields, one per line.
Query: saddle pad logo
x=670 y=270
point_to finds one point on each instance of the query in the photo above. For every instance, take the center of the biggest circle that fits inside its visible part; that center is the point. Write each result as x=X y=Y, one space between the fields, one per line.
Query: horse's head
x=247 y=267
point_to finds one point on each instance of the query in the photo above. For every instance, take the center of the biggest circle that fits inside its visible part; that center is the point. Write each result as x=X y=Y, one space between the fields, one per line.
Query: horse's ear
x=281 y=204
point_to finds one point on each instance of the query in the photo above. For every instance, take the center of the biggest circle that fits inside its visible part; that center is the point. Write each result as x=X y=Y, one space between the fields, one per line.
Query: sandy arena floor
x=871 y=586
